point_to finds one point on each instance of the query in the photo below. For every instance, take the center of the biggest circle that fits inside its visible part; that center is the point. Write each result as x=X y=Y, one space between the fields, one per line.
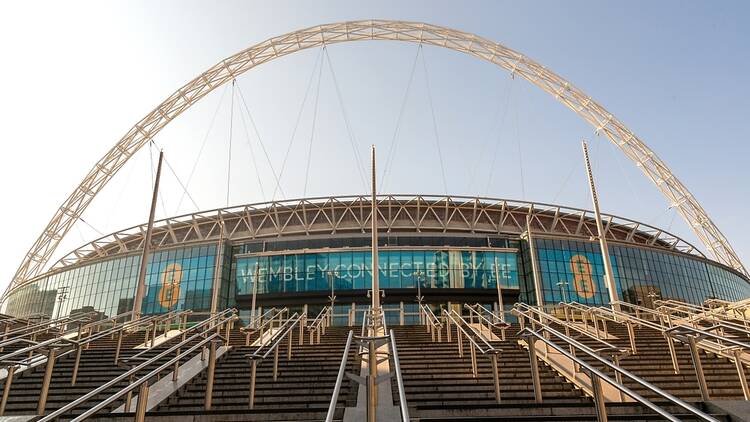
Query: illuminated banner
x=398 y=269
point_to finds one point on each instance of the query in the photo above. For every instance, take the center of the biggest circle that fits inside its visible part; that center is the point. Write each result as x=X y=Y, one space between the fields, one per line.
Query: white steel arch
x=517 y=64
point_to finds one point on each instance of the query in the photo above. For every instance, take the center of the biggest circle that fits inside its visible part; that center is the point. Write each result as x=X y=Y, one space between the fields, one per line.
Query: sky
x=78 y=75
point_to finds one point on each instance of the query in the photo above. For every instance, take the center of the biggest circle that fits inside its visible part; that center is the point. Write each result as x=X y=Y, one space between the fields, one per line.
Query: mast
x=374 y=221
x=140 y=288
x=608 y=274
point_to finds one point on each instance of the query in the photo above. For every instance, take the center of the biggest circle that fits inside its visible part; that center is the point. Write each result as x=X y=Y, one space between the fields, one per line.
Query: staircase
x=302 y=391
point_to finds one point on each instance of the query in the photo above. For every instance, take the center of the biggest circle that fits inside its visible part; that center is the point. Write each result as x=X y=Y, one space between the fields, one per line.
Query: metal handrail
x=638 y=309
x=253 y=327
x=735 y=345
x=276 y=338
x=491 y=352
x=285 y=330
x=431 y=321
x=269 y=315
x=12 y=337
x=399 y=381
x=458 y=321
x=522 y=309
x=145 y=363
x=339 y=378
x=211 y=322
x=695 y=313
x=323 y=314
x=596 y=373
x=500 y=325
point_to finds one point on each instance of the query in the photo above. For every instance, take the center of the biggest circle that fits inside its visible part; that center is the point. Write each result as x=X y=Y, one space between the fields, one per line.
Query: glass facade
x=182 y=278
x=175 y=279
x=305 y=272
x=574 y=271
x=179 y=279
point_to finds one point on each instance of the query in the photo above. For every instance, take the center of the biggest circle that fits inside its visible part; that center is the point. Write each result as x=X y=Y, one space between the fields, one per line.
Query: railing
x=319 y=324
x=263 y=323
x=538 y=316
x=339 y=378
x=403 y=407
x=695 y=337
x=51 y=350
x=601 y=314
x=369 y=341
x=434 y=326
x=731 y=349
x=484 y=322
x=59 y=326
x=463 y=329
x=210 y=331
x=286 y=330
x=597 y=376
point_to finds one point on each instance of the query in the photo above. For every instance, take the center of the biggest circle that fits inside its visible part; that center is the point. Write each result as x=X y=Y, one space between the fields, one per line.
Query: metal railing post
x=129 y=396
x=631 y=336
x=210 y=375
x=153 y=334
x=46 y=382
x=460 y=342
x=253 y=372
x=740 y=372
x=119 y=345
x=599 y=405
x=140 y=408
x=6 y=389
x=275 y=363
x=372 y=386
x=289 y=347
x=73 y=378
x=495 y=377
x=534 y=370
x=473 y=353
x=698 y=368
x=672 y=354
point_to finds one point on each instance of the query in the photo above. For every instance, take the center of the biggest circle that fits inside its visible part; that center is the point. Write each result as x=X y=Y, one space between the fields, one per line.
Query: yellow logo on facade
x=169 y=293
x=582 y=278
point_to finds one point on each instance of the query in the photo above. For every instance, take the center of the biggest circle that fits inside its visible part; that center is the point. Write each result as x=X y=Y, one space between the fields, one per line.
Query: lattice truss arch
x=517 y=64
x=351 y=215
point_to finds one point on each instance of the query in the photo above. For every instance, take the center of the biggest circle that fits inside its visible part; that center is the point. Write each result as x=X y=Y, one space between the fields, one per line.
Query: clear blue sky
x=79 y=75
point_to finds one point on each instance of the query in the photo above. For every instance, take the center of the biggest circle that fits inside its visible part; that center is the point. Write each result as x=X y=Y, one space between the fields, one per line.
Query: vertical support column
x=534 y=266
x=140 y=288
x=218 y=268
x=372 y=386
x=256 y=274
x=500 y=305
x=374 y=222
x=609 y=277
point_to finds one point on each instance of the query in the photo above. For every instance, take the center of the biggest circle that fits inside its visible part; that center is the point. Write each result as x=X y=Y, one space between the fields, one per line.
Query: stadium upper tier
x=300 y=247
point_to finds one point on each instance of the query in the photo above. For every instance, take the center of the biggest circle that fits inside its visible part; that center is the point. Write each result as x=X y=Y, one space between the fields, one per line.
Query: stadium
x=213 y=297
x=455 y=248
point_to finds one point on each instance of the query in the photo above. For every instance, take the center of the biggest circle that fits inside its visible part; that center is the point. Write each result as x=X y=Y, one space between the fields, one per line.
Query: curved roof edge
x=351 y=214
